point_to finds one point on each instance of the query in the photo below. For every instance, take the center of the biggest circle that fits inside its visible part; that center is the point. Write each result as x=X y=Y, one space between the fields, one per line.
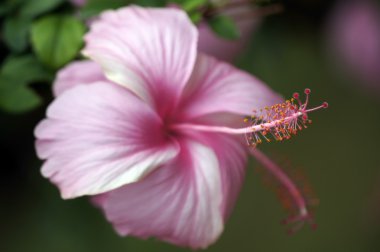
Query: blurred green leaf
x=152 y=3
x=6 y=6
x=57 y=39
x=15 y=75
x=26 y=69
x=15 y=31
x=16 y=98
x=94 y=7
x=196 y=17
x=190 y=5
x=33 y=8
x=4 y=9
x=224 y=27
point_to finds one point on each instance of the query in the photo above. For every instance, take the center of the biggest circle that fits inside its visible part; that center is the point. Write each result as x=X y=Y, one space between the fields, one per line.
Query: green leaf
x=7 y=6
x=25 y=69
x=15 y=30
x=195 y=17
x=33 y=8
x=4 y=9
x=15 y=75
x=190 y=5
x=57 y=39
x=94 y=7
x=224 y=26
x=152 y=3
x=16 y=98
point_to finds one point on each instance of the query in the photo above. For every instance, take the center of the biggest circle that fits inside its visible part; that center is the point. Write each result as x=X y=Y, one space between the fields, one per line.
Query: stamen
x=281 y=121
x=277 y=122
x=287 y=189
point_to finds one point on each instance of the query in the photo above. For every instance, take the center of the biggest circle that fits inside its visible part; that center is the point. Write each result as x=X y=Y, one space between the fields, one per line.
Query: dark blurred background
x=339 y=153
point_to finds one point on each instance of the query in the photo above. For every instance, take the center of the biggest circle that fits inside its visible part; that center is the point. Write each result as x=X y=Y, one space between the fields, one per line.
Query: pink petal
x=180 y=202
x=228 y=50
x=99 y=137
x=150 y=51
x=232 y=156
x=218 y=87
x=76 y=73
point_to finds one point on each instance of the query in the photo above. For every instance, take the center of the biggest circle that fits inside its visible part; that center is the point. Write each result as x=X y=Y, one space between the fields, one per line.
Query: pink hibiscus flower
x=145 y=128
x=247 y=18
x=354 y=41
x=224 y=49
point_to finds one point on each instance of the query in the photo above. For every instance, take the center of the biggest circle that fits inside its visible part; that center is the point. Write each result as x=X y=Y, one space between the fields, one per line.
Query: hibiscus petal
x=99 y=137
x=150 y=51
x=232 y=156
x=224 y=49
x=180 y=202
x=218 y=87
x=76 y=73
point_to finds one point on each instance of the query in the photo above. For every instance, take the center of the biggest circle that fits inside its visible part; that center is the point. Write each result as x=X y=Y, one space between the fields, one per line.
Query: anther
x=325 y=105
x=307 y=91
